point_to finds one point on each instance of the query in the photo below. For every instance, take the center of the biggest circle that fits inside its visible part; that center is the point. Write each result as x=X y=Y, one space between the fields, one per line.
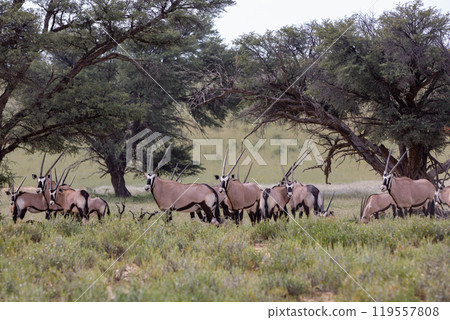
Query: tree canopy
x=356 y=84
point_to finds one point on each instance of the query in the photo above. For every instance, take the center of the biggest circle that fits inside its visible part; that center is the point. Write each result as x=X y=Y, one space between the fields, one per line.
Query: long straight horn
x=398 y=162
x=329 y=203
x=65 y=177
x=237 y=173
x=71 y=182
x=12 y=186
x=173 y=172
x=284 y=174
x=54 y=163
x=182 y=171
x=51 y=182
x=445 y=175
x=237 y=161
x=56 y=176
x=162 y=159
x=224 y=162
x=299 y=160
x=323 y=201
x=361 y=207
x=42 y=164
x=20 y=185
x=387 y=161
x=248 y=172
x=59 y=181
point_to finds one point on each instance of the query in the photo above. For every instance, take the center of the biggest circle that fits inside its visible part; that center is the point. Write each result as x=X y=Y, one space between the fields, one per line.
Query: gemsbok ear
x=8 y=192
x=216 y=176
x=34 y=176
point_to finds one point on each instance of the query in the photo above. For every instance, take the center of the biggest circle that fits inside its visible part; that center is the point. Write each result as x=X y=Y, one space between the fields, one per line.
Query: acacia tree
x=43 y=50
x=152 y=85
x=355 y=83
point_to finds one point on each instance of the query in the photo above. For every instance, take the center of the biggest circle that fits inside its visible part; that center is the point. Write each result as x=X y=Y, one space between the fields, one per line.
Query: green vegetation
x=394 y=260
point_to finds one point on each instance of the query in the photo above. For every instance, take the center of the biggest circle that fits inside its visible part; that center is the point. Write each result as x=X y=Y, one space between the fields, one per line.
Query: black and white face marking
x=53 y=194
x=150 y=181
x=41 y=183
x=386 y=182
x=289 y=188
x=14 y=197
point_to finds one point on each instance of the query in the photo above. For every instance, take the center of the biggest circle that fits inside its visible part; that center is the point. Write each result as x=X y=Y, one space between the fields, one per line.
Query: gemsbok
x=408 y=193
x=240 y=196
x=98 y=206
x=442 y=195
x=326 y=212
x=274 y=200
x=21 y=202
x=68 y=198
x=375 y=204
x=174 y=196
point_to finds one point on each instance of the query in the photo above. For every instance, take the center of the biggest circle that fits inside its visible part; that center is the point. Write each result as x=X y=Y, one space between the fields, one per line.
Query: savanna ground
x=393 y=260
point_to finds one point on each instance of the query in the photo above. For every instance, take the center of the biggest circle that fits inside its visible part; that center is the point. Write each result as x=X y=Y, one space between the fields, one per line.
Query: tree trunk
x=118 y=183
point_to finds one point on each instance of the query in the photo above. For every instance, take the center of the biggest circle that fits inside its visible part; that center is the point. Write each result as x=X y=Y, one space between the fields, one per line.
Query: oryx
x=99 y=206
x=241 y=196
x=325 y=212
x=174 y=196
x=442 y=195
x=68 y=198
x=274 y=200
x=408 y=193
x=21 y=202
x=375 y=204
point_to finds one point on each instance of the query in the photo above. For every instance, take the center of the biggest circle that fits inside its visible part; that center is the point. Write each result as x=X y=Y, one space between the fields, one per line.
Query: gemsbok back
x=408 y=193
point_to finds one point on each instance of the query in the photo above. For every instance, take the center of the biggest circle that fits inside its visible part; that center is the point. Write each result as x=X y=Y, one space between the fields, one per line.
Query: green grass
x=393 y=260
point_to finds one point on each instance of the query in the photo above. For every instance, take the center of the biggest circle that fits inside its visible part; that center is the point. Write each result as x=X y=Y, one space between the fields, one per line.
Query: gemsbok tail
x=216 y=209
x=265 y=197
x=15 y=213
x=85 y=194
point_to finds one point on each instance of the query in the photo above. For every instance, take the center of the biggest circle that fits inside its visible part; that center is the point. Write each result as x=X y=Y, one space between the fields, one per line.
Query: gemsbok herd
x=233 y=197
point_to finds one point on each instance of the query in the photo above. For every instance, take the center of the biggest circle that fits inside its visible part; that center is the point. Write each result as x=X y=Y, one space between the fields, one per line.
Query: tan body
x=31 y=202
x=408 y=193
x=69 y=199
x=444 y=195
x=99 y=206
x=273 y=202
x=244 y=196
x=172 y=195
x=306 y=197
x=377 y=203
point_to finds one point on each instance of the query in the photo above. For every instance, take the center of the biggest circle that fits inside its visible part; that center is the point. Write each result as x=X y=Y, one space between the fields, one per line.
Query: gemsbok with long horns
x=408 y=193
x=375 y=204
x=174 y=196
x=23 y=202
x=240 y=196
x=326 y=212
x=68 y=198
x=274 y=200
